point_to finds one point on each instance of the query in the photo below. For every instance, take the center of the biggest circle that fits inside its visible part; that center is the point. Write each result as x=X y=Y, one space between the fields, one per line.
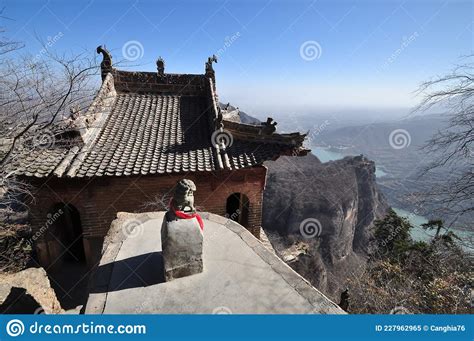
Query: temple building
x=142 y=133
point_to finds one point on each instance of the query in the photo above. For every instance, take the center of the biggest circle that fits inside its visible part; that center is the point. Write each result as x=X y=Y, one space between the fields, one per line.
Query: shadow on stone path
x=134 y=272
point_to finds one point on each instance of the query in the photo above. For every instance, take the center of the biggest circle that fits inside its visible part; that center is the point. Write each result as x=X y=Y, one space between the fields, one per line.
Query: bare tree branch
x=38 y=93
x=452 y=147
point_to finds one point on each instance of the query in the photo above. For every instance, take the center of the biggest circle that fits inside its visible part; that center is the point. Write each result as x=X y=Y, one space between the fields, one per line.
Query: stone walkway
x=240 y=275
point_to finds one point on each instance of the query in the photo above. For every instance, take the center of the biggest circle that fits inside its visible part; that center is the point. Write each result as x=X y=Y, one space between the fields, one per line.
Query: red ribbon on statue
x=184 y=215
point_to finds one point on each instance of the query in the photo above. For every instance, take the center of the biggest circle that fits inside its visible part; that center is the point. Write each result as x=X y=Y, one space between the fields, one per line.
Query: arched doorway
x=68 y=271
x=237 y=208
x=67 y=232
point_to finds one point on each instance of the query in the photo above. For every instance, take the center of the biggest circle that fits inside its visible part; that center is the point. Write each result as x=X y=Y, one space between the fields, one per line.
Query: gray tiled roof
x=38 y=162
x=148 y=134
x=162 y=126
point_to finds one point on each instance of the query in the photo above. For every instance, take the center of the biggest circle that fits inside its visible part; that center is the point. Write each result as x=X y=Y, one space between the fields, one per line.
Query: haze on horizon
x=287 y=57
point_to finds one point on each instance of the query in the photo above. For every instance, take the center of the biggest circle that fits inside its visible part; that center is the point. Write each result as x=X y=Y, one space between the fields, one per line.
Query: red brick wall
x=98 y=200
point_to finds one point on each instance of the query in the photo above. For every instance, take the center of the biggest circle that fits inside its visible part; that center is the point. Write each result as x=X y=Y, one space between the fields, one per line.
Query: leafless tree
x=452 y=147
x=39 y=93
x=6 y=45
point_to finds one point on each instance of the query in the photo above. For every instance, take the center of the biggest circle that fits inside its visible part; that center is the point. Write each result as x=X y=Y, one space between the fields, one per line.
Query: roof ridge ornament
x=209 y=69
x=160 y=64
x=269 y=127
x=106 y=64
x=212 y=76
x=209 y=62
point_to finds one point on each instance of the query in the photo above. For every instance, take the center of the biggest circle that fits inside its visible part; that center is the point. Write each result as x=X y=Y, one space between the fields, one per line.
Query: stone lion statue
x=183 y=199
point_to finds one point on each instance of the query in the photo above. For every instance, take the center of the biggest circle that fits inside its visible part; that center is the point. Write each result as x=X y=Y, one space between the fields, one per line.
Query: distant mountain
x=396 y=148
x=377 y=135
x=232 y=113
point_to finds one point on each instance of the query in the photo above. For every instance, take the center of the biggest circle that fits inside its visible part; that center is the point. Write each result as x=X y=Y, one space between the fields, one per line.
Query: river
x=325 y=155
x=418 y=233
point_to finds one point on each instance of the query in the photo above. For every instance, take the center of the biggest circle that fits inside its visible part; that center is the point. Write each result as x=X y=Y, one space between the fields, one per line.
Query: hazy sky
x=274 y=56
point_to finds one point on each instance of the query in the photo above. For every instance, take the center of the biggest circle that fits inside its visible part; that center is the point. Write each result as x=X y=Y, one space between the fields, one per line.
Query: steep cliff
x=319 y=216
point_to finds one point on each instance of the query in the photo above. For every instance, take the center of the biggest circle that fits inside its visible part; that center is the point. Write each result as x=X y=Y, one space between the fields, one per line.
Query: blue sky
x=367 y=54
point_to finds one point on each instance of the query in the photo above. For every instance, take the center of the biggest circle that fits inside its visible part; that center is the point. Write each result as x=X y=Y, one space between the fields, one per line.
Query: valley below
x=397 y=148
x=396 y=186
x=351 y=178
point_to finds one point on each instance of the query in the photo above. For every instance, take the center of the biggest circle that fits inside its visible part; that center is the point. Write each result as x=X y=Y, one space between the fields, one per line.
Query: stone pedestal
x=181 y=241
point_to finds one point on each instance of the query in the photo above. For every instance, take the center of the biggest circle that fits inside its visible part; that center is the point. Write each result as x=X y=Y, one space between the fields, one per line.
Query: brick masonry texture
x=98 y=200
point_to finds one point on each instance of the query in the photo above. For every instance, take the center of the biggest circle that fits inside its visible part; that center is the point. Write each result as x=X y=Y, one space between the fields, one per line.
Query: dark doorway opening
x=237 y=208
x=67 y=230
x=68 y=273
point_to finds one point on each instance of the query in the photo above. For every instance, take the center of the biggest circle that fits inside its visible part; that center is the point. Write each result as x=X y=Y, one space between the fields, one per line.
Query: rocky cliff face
x=319 y=216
